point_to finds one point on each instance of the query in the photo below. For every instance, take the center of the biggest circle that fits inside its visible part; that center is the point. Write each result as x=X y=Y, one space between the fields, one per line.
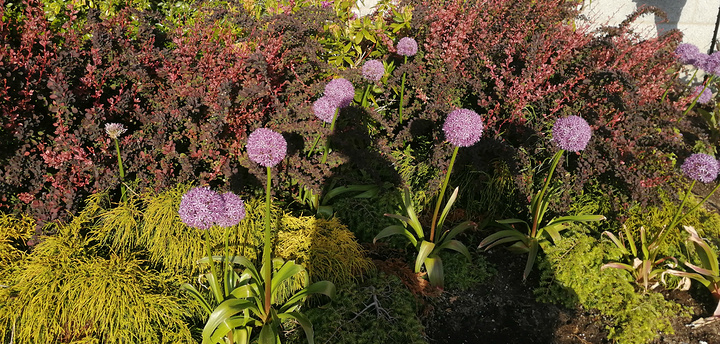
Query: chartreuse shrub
x=64 y=292
x=149 y=222
x=571 y=276
x=14 y=233
x=326 y=248
x=379 y=309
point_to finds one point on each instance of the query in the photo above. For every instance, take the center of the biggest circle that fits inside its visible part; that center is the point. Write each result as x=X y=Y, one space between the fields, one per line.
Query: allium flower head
x=373 y=70
x=340 y=90
x=266 y=147
x=234 y=210
x=706 y=95
x=407 y=47
x=463 y=127
x=709 y=63
x=201 y=208
x=114 y=130
x=701 y=167
x=687 y=53
x=571 y=133
x=325 y=108
x=325 y=4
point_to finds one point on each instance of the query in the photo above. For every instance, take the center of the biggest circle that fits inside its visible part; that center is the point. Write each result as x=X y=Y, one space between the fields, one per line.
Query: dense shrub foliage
x=190 y=81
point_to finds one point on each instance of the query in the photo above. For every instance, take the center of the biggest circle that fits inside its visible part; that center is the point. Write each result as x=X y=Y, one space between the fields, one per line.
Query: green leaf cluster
x=571 y=275
x=379 y=309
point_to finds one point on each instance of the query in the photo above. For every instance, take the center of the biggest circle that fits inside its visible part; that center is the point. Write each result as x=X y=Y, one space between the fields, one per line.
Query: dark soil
x=503 y=310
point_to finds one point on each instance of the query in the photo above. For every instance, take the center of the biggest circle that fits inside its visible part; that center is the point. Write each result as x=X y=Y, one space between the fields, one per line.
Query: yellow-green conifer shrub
x=14 y=232
x=63 y=292
x=151 y=223
x=326 y=248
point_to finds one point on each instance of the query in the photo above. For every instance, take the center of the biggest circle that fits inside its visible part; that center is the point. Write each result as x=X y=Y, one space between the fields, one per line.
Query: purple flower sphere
x=407 y=47
x=325 y=108
x=340 y=90
x=706 y=95
x=463 y=127
x=571 y=133
x=201 y=208
x=373 y=70
x=234 y=210
x=701 y=167
x=709 y=63
x=266 y=147
x=687 y=53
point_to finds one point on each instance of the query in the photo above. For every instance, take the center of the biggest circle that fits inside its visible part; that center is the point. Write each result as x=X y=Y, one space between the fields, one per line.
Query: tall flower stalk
x=114 y=130
x=406 y=47
x=339 y=93
x=373 y=71
x=267 y=148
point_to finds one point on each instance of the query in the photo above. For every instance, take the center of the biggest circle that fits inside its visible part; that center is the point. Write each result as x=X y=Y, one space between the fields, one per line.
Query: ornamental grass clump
x=462 y=128
x=571 y=134
x=406 y=47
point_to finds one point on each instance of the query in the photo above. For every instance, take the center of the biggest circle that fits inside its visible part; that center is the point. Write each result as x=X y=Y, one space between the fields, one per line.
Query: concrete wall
x=695 y=18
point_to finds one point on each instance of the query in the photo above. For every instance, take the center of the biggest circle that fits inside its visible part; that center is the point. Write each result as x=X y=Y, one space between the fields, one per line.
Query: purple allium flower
x=201 y=208
x=706 y=95
x=571 y=133
x=326 y=4
x=266 y=147
x=407 y=47
x=373 y=70
x=687 y=53
x=114 y=130
x=325 y=108
x=701 y=167
x=709 y=63
x=341 y=90
x=234 y=210
x=463 y=127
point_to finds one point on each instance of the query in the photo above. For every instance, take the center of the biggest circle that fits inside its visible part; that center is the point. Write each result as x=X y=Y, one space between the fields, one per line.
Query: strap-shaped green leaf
x=553 y=231
x=449 y=235
x=446 y=210
x=288 y=270
x=414 y=222
x=577 y=218
x=394 y=230
x=620 y=245
x=215 y=287
x=323 y=287
x=708 y=258
x=435 y=272
x=238 y=325
x=617 y=265
x=698 y=277
x=368 y=191
x=455 y=246
x=426 y=248
x=631 y=241
x=226 y=310
x=245 y=291
x=534 y=247
x=303 y=321
x=268 y=334
x=194 y=293
x=490 y=241
x=643 y=243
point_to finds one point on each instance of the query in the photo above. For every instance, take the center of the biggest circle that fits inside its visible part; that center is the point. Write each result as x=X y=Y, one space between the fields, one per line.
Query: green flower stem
x=317 y=139
x=327 y=143
x=402 y=93
x=442 y=193
x=225 y=263
x=211 y=262
x=698 y=95
x=266 y=250
x=690 y=81
x=363 y=103
x=667 y=89
x=541 y=195
x=123 y=196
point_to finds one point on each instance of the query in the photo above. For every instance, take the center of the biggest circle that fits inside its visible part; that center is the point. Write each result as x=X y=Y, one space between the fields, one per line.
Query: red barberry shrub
x=522 y=65
x=188 y=94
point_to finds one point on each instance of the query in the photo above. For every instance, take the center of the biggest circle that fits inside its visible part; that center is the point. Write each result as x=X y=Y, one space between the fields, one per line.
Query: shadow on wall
x=673 y=9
